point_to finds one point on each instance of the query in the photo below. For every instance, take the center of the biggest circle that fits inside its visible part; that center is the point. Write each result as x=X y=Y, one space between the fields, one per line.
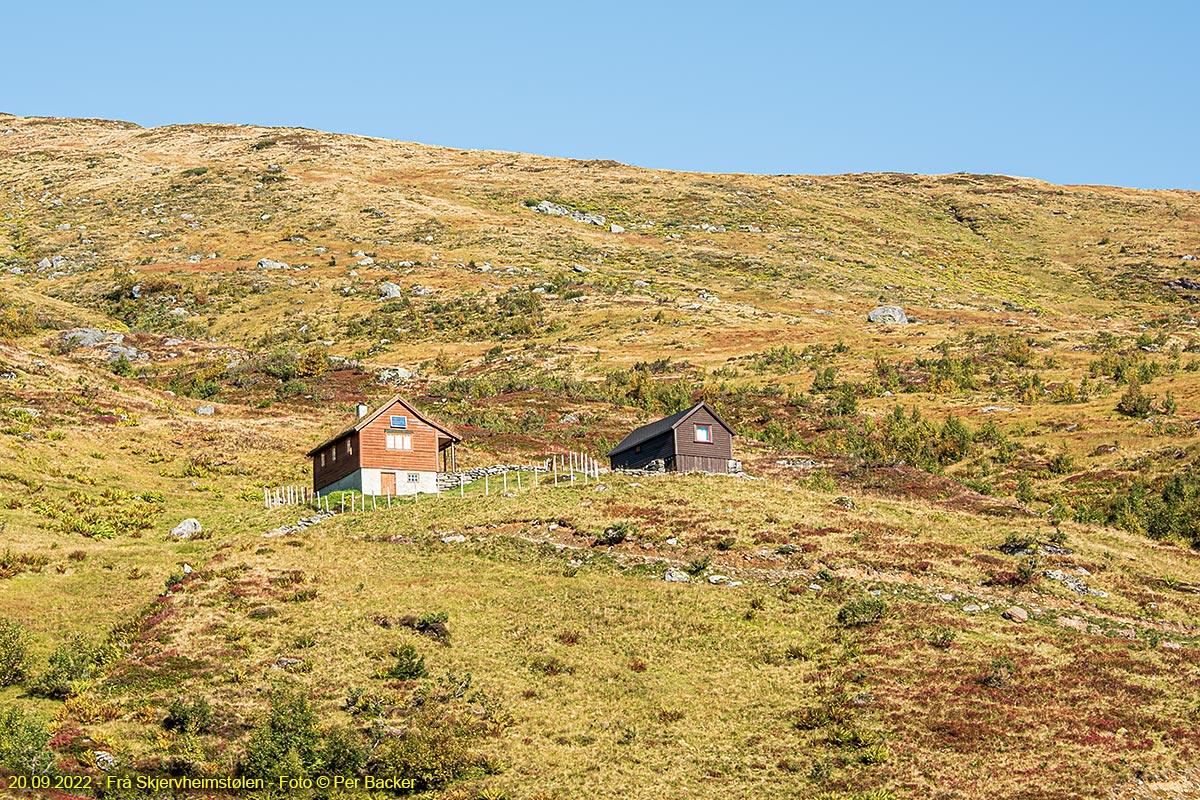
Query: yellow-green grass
x=696 y=687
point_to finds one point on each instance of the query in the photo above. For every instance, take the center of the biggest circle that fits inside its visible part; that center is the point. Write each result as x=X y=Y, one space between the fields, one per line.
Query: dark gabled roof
x=658 y=428
x=374 y=415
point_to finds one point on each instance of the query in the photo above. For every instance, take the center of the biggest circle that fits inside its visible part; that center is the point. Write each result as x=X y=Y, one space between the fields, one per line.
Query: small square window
x=333 y=453
x=322 y=459
x=704 y=433
x=349 y=448
x=414 y=477
x=399 y=422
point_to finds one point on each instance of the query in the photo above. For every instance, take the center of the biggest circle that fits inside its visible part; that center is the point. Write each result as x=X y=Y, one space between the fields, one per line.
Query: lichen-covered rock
x=888 y=315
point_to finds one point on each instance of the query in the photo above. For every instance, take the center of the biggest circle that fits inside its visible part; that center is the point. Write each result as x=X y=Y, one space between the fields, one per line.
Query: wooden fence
x=558 y=468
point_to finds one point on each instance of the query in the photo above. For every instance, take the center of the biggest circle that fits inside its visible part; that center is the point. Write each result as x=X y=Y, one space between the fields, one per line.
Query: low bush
x=433 y=755
x=864 y=611
x=286 y=742
x=24 y=744
x=189 y=717
x=14 y=656
x=72 y=663
x=616 y=534
x=409 y=666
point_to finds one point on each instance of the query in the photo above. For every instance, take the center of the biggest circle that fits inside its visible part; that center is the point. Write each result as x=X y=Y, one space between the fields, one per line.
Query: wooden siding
x=700 y=464
x=662 y=446
x=373 y=440
x=690 y=453
x=334 y=471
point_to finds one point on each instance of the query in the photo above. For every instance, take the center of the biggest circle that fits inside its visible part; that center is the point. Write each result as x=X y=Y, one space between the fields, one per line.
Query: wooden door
x=387 y=481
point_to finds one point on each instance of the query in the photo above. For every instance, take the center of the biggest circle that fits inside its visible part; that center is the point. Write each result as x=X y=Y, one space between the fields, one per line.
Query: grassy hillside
x=1029 y=440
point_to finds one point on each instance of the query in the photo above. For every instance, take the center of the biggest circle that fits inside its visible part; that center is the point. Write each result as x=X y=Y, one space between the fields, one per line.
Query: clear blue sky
x=1070 y=92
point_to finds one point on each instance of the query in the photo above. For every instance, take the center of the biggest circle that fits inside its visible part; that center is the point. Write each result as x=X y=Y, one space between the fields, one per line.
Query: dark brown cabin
x=695 y=440
x=393 y=450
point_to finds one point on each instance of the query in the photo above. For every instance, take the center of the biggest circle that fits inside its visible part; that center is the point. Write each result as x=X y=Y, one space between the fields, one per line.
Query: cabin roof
x=374 y=415
x=657 y=428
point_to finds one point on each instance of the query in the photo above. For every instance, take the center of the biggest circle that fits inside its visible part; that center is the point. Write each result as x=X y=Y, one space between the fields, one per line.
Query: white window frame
x=399 y=441
x=707 y=434
x=403 y=423
x=414 y=477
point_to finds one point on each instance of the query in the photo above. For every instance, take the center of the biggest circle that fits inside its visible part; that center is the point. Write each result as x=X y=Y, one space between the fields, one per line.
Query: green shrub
x=410 y=665
x=24 y=744
x=286 y=742
x=121 y=366
x=998 y=672
x=14 y=655
x=864 y=611
x=432 y=755
x=1135 y=402
x=342 y=753
x=72 y=662
x=185 y=717
x=616 y=534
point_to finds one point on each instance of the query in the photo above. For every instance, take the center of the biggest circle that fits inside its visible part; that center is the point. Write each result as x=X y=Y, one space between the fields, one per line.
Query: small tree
x=1135 y=402
x=13 y=652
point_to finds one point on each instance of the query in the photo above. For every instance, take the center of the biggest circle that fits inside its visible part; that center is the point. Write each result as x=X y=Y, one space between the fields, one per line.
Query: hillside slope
x=1028 y=440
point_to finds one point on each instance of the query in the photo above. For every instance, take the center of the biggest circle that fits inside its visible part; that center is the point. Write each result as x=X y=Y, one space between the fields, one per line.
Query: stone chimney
x=361 y=410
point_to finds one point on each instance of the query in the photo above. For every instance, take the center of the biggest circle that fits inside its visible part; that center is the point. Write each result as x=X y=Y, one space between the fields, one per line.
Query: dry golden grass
x=610 y=681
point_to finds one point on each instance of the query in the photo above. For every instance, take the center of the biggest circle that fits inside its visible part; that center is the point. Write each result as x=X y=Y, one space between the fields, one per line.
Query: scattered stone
x=816 y=587
x=945 y=598
x=845 y=502
x=580 y=268
x=284 y=662
x=389 y=290
x=718 y=579
x=90 y=337
x=675 y=575
x=1075 y=623
x=394 y=374
x=600 y=487
x=206 y=410
x=1189 y=257
x=104 y=760
x=888 y=315
x=186 y=529
x=971 y=608
x=1073 y=583
x=1172 y=646
x=555 y=210
x=640 y=284
x=569 y=418
x=456 y=538
x=421 y=291
x=673 y=542
x=115 y=351
x=266 y=263
x=1016 y=614
x=187 y=569
x=993 y=409
x=615 y=228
